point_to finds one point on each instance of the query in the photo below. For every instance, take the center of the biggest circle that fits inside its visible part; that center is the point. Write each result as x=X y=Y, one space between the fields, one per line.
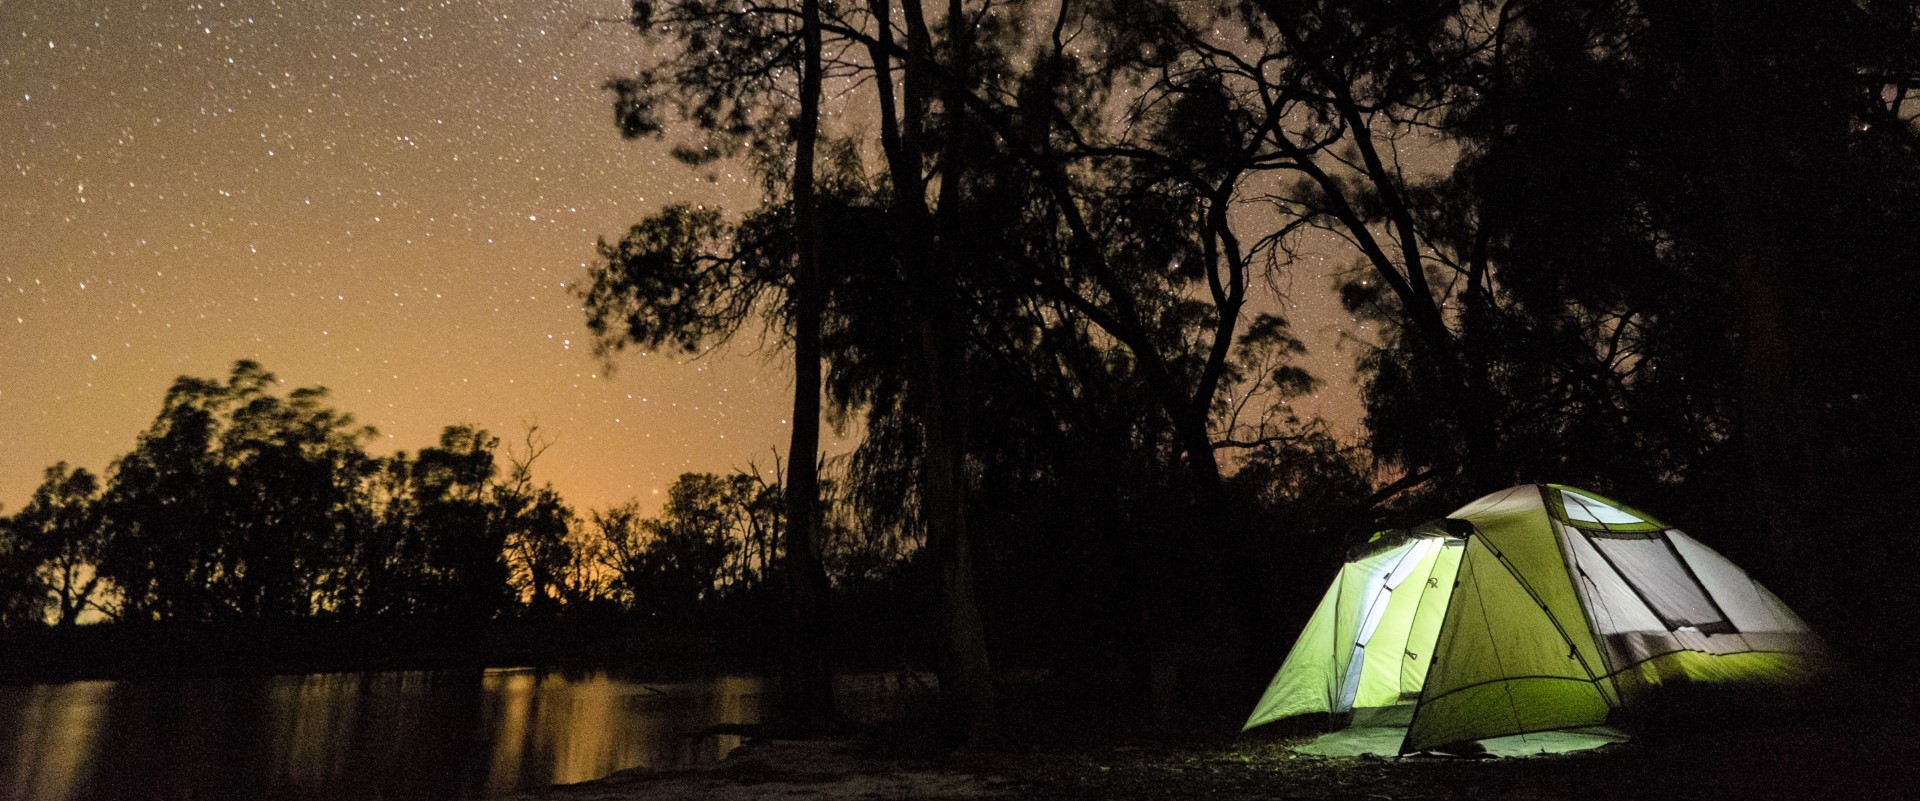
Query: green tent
x=1536 y=608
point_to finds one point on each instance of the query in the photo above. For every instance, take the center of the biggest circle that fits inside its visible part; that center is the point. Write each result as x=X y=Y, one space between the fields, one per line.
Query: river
x=384 y=735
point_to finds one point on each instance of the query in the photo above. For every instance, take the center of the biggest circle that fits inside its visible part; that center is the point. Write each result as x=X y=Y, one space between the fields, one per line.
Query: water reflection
x=54 y=733
x=441 y=734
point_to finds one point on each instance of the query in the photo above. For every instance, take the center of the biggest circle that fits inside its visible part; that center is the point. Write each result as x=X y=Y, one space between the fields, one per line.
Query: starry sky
x=389 y=199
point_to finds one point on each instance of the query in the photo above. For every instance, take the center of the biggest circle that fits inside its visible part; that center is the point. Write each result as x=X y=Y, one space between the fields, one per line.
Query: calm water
x=438 y=734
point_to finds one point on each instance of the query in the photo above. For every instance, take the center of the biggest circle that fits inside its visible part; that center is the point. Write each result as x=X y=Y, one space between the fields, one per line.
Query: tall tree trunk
x=966 y=677
x=806 y=678
x=1216 y=518
x=1772 y=430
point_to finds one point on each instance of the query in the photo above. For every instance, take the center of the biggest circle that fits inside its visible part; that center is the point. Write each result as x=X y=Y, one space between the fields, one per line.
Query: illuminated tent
x=1536 y=608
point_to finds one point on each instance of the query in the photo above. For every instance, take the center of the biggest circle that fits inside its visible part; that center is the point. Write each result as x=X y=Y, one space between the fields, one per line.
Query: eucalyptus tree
x=236 y=502
x=1125 y=169
x=64 y=517
x=163 y=504
x=296 y=474
x=709 y=548
x=535 y=523
x=807 y=690
x=1354 y=91
x=23 y=599
x=1013 y=165
x=758 y=54
x=454 y=543
x=727 y=65
x=672 y=566
x=1333 y=127
x=48 y=550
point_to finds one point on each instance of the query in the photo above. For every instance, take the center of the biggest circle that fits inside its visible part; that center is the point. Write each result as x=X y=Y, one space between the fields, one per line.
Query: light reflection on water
x=421 y=734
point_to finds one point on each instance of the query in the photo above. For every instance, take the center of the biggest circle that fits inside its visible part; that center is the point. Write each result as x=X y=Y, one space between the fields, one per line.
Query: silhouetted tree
x=619 y=528
x=462 y=546
x=22 y=598
x=236 y=502
x=1004 y=186
x=670 y=565
x=435 y=541
x=807 y=680
x=296 y=474
x=536 y=522
x=48 y=551
x=585 y=581
x=164 y=507
x=243 y=502
x=764 y=52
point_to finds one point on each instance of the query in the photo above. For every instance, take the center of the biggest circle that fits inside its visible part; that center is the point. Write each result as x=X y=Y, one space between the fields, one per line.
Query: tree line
x=244 y=502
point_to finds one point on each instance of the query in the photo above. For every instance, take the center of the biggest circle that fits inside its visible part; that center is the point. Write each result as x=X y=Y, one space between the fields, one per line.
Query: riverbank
x=1851 y=755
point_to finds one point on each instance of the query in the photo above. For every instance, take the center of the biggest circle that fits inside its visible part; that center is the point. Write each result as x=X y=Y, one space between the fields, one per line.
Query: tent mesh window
x=1655 y=571
x=1644 y=556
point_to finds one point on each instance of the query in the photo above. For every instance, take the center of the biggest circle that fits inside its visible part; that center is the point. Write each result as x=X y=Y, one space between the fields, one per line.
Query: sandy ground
x=1855 y=741
x=1852 y=758
x=848 y=770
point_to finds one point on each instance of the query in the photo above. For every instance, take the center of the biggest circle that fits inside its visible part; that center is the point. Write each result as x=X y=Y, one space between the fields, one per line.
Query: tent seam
x=1572 y=648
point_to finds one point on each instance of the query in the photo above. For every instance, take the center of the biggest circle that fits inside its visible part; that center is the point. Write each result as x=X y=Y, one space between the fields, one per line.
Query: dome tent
x=1536 y=608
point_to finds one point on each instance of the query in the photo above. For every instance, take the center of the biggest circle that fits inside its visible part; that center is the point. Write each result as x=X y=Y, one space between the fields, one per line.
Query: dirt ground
x=1856 y=756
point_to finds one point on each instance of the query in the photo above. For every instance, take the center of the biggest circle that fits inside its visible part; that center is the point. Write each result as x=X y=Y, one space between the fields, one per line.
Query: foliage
x=236 y=503
x=666 y=282
x=242 y=503
x=48 y=551
x=439 y=546
x=671 y=564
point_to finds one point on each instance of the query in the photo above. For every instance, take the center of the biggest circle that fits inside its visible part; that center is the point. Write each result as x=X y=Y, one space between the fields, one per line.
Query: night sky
x=389 y=199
